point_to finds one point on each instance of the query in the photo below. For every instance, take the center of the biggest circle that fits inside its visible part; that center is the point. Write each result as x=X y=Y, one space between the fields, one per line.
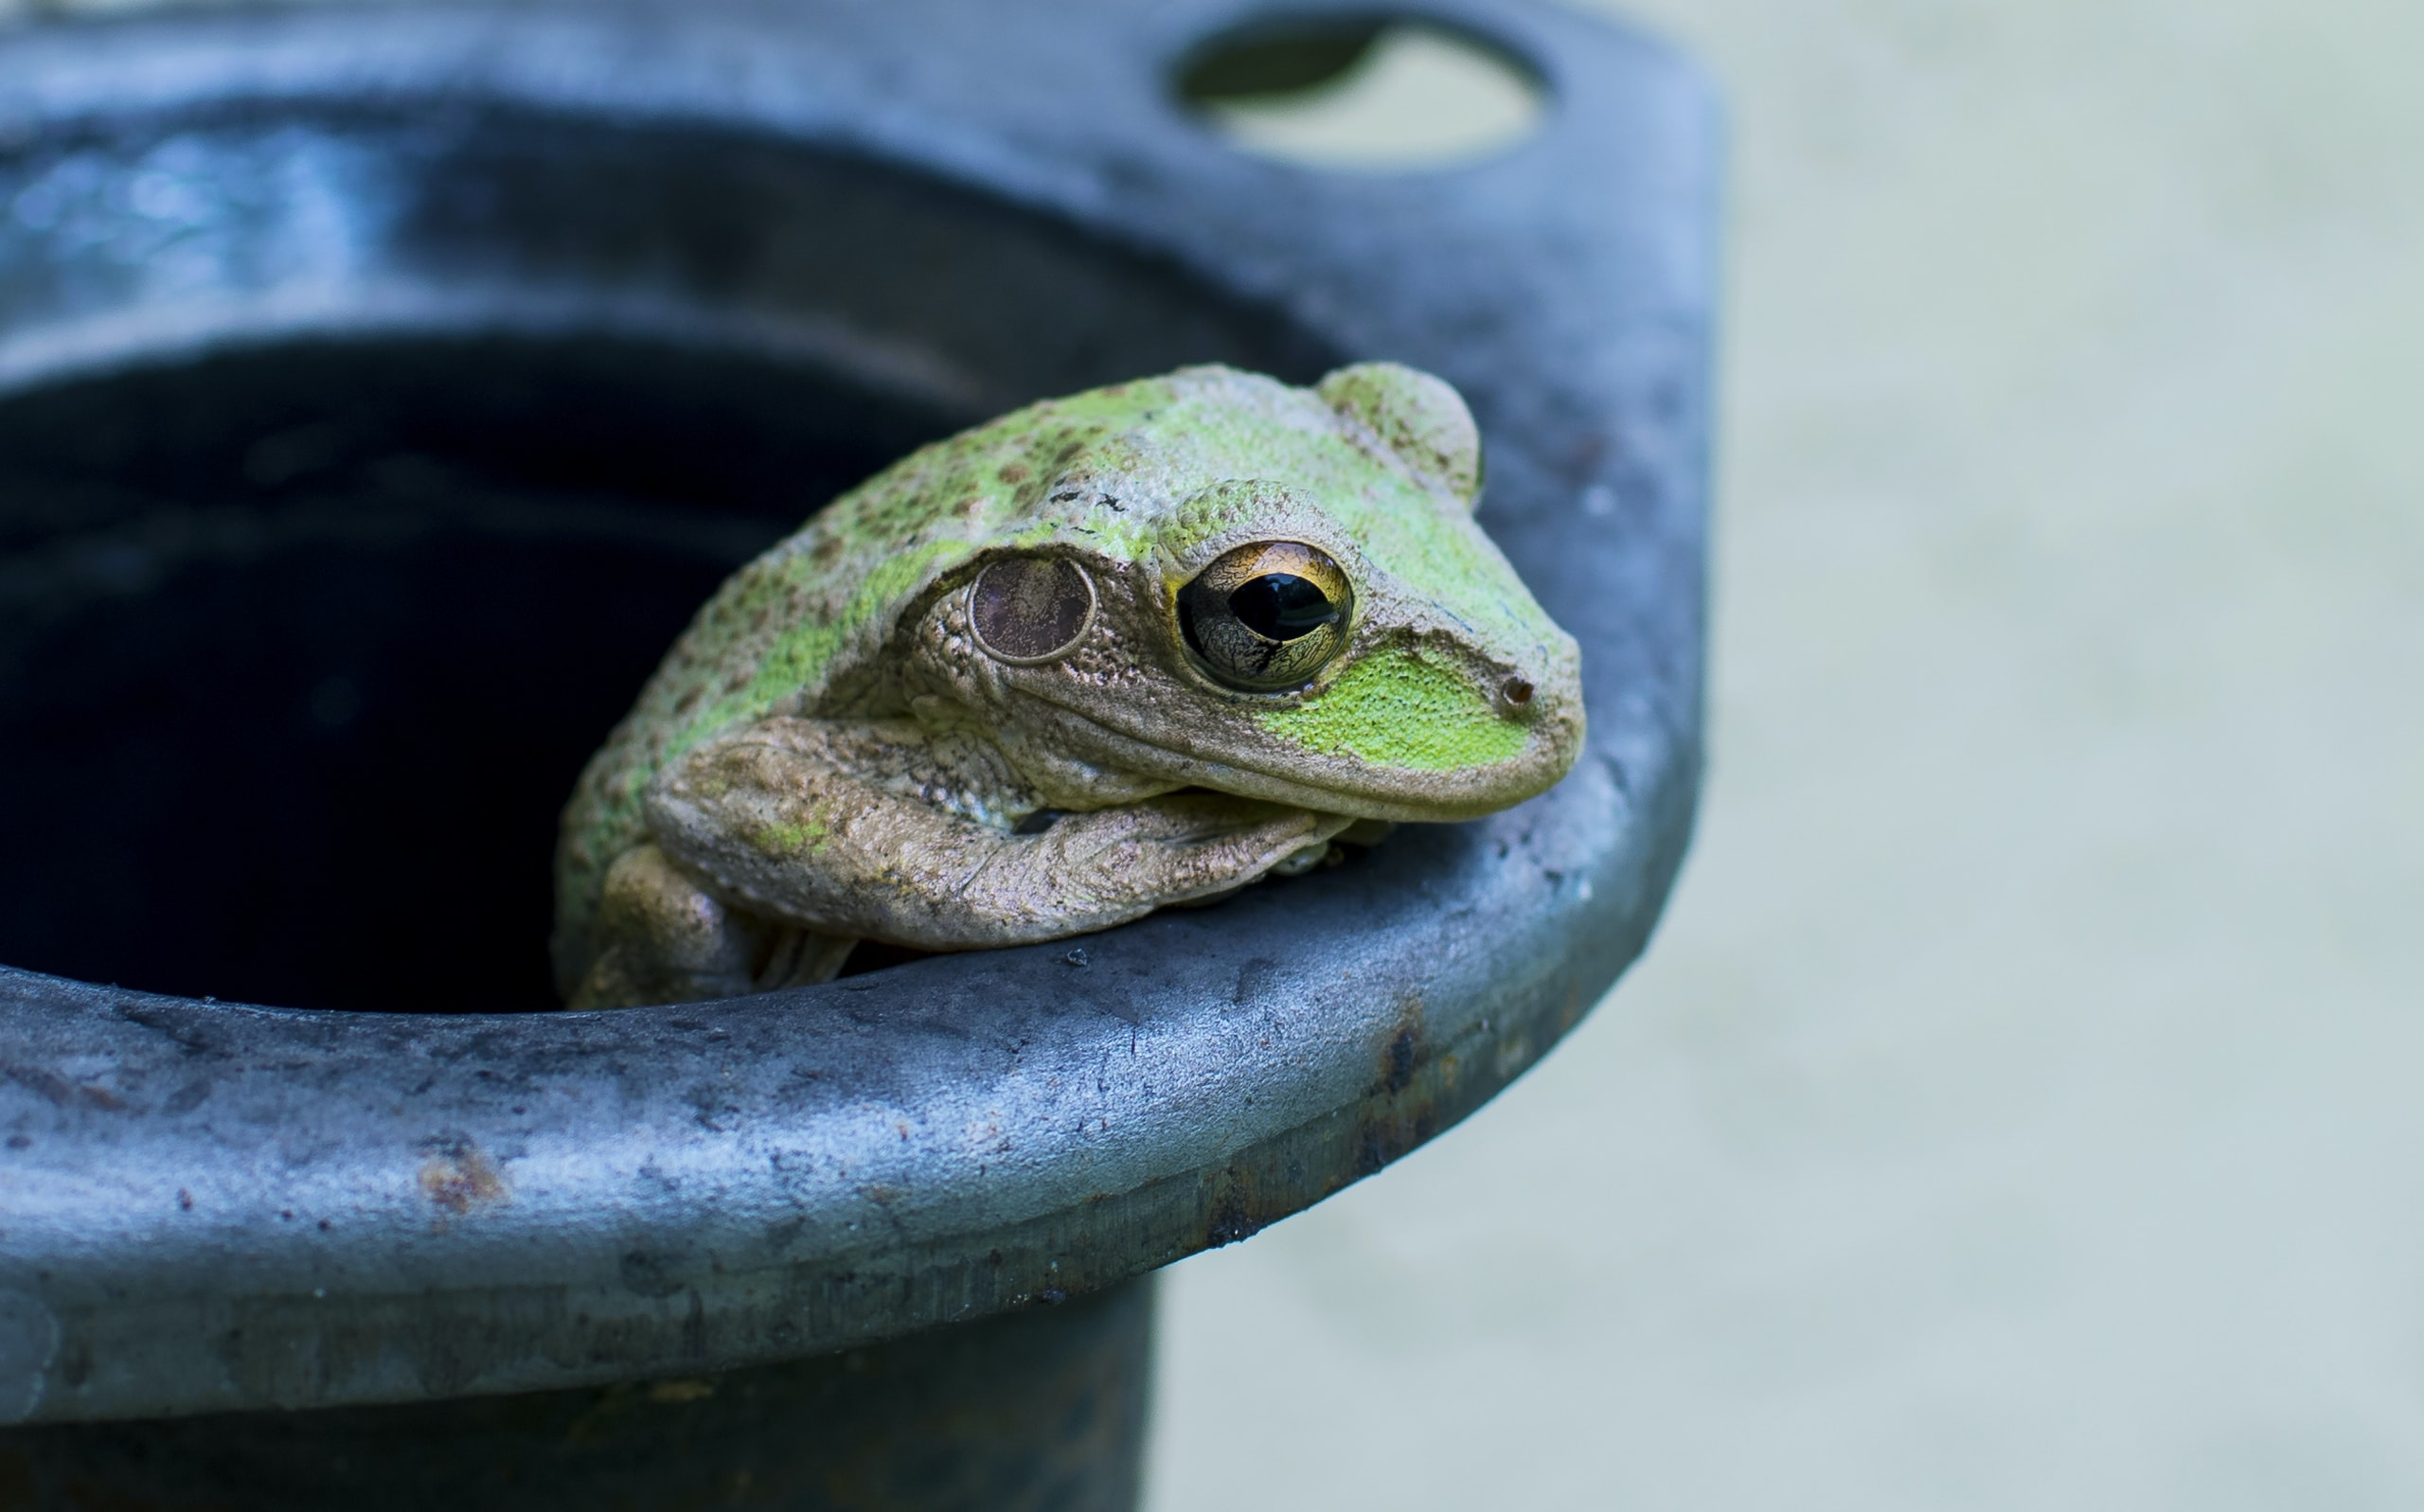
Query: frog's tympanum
x=1131 y=649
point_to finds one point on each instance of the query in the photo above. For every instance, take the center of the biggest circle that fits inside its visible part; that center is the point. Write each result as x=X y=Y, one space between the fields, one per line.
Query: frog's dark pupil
x=1281 y=606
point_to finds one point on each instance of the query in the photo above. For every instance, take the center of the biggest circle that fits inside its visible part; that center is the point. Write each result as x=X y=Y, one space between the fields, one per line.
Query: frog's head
x=1283 y=593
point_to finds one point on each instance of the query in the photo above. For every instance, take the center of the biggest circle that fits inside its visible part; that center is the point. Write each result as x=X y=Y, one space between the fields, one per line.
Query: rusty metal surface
x=206 y=1206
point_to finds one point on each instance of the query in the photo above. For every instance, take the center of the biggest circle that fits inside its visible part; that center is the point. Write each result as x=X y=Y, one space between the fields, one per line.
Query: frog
x=1132 y=649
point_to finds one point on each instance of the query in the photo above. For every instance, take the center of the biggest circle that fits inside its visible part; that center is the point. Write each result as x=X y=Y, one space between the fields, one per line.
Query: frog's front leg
x=662 y=938
x=780 y=817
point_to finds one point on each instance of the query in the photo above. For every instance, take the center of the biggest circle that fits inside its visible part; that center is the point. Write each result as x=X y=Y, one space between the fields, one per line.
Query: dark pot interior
x=307 y=619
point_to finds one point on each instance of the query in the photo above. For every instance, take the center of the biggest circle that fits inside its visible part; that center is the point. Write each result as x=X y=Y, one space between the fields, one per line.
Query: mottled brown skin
x=875 y=732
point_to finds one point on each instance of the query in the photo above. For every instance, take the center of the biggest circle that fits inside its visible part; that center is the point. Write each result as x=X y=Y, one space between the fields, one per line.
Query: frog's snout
x=1416 y=730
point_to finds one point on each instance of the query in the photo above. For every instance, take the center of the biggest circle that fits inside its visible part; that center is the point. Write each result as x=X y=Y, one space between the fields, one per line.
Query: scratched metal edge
x=483 y=1339
x=1420 y=1088
x=141 y=1349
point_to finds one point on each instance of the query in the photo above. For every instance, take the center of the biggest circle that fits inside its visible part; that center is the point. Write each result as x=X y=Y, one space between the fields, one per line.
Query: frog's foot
x=662 y=938
x=799 y=958
x=1180 y=848
x=1309 y=858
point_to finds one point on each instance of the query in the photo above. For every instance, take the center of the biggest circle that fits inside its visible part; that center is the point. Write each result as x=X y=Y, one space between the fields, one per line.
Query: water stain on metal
x=29 y=1343
x=1234 y=1215
x=1405 y=1106
x=1398 y=1062
x=60 y=1093
x=650 y=1275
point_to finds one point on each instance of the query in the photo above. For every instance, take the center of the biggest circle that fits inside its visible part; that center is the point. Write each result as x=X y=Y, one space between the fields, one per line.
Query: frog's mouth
x=1523 y=764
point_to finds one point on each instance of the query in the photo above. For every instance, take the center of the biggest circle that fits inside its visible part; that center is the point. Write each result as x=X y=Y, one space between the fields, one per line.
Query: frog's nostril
x=1516 y=691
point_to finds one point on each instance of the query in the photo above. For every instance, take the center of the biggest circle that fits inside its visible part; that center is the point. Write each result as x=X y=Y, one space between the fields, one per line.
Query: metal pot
x=380 y=390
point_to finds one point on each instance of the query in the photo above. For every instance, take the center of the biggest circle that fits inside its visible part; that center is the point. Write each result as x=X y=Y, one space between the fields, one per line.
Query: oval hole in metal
x=1363 y=95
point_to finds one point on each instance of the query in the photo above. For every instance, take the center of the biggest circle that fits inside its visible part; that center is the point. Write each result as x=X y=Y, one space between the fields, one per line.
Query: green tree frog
x=1135 y=647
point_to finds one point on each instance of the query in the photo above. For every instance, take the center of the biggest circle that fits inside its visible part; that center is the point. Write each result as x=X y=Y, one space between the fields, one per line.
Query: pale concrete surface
x=2018 y=1109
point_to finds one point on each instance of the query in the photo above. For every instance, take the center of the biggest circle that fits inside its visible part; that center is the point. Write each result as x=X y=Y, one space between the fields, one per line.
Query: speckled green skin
x=859 y=620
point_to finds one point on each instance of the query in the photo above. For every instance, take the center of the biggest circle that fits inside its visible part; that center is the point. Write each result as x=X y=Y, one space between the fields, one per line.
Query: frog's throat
x=1416 y=797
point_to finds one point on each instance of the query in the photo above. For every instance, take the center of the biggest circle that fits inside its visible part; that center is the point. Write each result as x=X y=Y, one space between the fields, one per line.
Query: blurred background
x=2019 y=1106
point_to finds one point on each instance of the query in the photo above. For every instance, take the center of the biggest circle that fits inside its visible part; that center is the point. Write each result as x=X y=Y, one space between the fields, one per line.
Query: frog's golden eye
x=1267 y=617
x=1030 y=610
